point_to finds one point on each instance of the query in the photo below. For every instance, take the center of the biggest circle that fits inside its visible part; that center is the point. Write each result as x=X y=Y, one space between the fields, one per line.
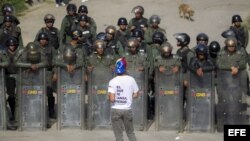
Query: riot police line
x=72 y=85
x=176 y=90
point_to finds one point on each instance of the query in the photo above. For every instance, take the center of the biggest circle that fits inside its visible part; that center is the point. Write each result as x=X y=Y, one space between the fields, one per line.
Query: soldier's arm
x=243 y=59
x=43 y=63
x=194 y=65
x=93 y=26
x=158 y=62
x=4 y=60
x=20 y=38
x=35 y=40
x=148 y=37
x=22 y=64
x=64 y=24
x=130 y=24
x=120 y=49
x=246 y=36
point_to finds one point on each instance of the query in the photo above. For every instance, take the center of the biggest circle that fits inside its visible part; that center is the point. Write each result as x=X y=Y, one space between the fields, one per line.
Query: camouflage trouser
x=121 y=119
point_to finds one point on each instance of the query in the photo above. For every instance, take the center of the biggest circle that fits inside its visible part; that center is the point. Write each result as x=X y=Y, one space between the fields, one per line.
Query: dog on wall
x=186 y=12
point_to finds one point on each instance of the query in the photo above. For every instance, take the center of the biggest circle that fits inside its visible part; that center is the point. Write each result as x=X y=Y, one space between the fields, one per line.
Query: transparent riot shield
x=168 y=100
x=230 y=109
x=99 y=116
x=71 y=99
x=139 y=106
x=32 y=99
x=201 y=101
x=3 y=121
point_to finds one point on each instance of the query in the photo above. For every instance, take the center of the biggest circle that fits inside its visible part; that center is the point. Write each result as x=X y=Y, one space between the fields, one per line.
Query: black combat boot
x=51 y=106
x=12 y=104
x=12 y=126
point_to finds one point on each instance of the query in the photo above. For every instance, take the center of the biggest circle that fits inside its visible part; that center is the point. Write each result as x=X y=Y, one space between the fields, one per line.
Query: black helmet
x=43 y=36
x=84 y=18
x=33 y=53
x=12 y=41
x=75 y=34
x=214 y=46
x=69 y=55
x=183 y=38
x=71 y=7
x=228 y=33
x=101 y=36
x=236 y=18
x=133 y=42
x=99 y=44
x=138 y=9
x=154 y=19
x=49 y=17
x=158 y=38
x=8 y=18
x=202 y=37
x=122 y=21
x=201 y=49
x=83 y=9
x=7 y=8
x=137 y=33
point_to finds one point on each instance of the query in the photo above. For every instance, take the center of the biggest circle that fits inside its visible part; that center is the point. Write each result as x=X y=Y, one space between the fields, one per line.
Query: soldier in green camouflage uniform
x=31 y=59
x=134 y=57
x=80 y=52
x=13 y=53
x=154 y=22
x=52 y=32
x=167 y=60
x=99 y=57
x=139 y=35
x=83 y=10
x=158 y=38
x=138 y=62
x=240 y=31
x=50 y=52
x=138 y=21
x=4 y=63
x=8 y=9
x=113 y=46
x=88 y=35
x=231 y=59
x=9 y=29
x=123 y=33
x=185 y=53
x=68 y=24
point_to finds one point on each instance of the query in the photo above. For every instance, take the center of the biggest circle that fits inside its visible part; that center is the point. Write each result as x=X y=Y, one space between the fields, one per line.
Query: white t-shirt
x=123 y=87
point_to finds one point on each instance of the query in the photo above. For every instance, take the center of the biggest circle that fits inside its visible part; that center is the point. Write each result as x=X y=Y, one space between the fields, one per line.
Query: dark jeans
x=121 y=119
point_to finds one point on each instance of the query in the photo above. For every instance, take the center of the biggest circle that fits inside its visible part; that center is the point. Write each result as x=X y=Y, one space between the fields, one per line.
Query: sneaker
x=84 y=0
x=63 y=4
x=57 y=5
